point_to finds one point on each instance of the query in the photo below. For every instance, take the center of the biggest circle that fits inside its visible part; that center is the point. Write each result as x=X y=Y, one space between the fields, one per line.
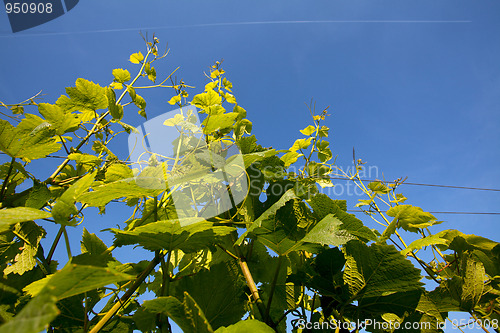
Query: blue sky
x=413 y=86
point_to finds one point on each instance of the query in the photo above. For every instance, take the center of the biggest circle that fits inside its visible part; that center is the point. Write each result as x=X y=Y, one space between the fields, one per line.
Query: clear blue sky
x=414 y=86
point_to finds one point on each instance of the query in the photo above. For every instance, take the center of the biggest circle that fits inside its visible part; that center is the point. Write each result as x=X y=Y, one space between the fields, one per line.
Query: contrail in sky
x=222 y=24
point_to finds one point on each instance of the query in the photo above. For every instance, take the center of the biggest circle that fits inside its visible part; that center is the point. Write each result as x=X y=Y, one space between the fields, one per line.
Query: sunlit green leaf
x=30 y=140
x=85 y=158
x=38 y=196
x=116 y=85
x=185 y=234
x=378 y=187
x=219 y=122
x=218 y=292
x=116 y=110
x=62 y=122
x=269 y=213
x=65 y=205
x=34 y=317
x=85 y=96
x=227 y=84
x=323 y=131
x=141 y=104
x=473 y=286
x=230 y=98
x=246 y=326
x=136 y=58
x=211 y=85
x=206 y=99
x=187 y=314
x=76 y=279
x=323 y=205
x=152 y=74
x=10 y=216
x=17 y=109
x=174 y=100
x=24 y=261
x=241 y=111
x=422 y=242
x=121 y=75
x=92 y=244
x=460 y=242
x=308 y=130
x=290 y=158
x=378 y=270
x=301 y=144
x=411 y=218
x=326 y=232
x=128 y=188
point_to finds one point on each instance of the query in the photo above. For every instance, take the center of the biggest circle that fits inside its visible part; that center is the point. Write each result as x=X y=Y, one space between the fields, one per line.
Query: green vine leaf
x=11 y=216
x=187 y=314
x=207 y=99
x=218 y=122
x=121 y=75
x=74 y=280
x=323 y=205
x=88 y=159
x=186 y=234
x=379 y=187
x=85 y=96
x=460 y=242
x=426 y=241
x=377 y=271
x=301 y=144
x=128 y=188
x=65 y=205
x=218 y=292
x=246 y=326
x=31 y=139
x=473 y=287
x=411 y=218
x=31 y=234
x=308 y=130
x=61 y=121
x=141 y=104
x=269 y=213
x=328 y=231
x=34 y=317
x=92 y=244
x=116 y=110
x=136 y=58
x=290 y=158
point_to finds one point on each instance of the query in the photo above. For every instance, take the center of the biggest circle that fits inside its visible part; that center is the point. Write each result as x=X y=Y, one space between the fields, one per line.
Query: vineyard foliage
x=284 y=255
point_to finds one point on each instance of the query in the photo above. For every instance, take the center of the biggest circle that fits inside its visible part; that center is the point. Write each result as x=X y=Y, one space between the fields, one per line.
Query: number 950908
x=25 y=8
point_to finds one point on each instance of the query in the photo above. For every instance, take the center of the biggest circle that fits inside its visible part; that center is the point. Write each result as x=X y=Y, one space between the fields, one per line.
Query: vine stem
x=66 y=241
x=96 y=126
x=165 y=290
x=140 y=279
x=273 y=287
x=6 y=180
x=249 y=280
x=54 y=244
x=478 y=321
x=252 y=286
x=86 y=317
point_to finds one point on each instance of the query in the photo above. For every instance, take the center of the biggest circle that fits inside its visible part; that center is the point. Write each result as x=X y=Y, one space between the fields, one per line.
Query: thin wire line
x=457 y=213
x=375 y=180
x=424 y=184
x=222 y=24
